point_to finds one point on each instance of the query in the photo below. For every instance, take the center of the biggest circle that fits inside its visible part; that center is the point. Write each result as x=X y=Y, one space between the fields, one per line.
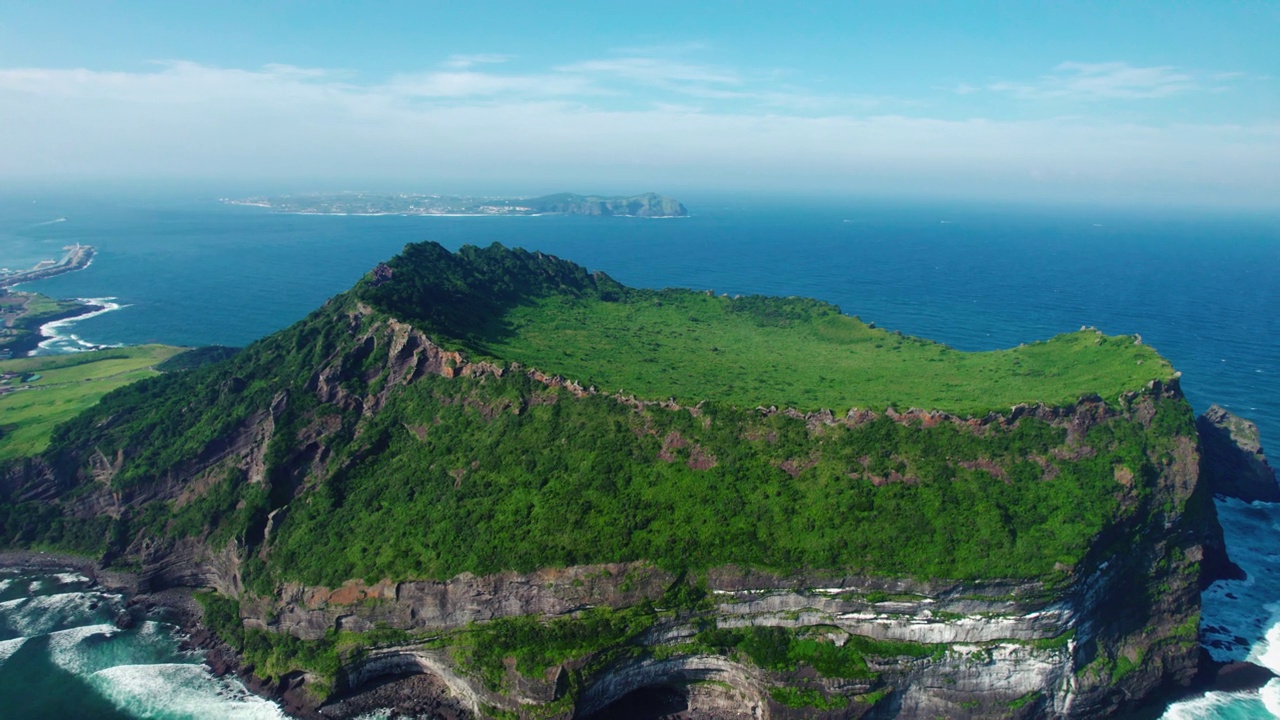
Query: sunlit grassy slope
x=802 y=354
x=67 y=385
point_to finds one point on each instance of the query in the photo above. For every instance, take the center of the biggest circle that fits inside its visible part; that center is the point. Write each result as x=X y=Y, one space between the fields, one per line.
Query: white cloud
x=654 y=71
x=462 y=62
x=1108 y=80
x=473 y=84
x=558 y=130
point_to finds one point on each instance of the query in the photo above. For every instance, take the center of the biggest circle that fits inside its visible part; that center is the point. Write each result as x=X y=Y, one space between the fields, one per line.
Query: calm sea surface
x=1203 y=289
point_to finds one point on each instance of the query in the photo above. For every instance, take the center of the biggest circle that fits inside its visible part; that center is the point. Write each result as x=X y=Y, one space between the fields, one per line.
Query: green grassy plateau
x=512 y=305
x=694 y=347
x=67 y=385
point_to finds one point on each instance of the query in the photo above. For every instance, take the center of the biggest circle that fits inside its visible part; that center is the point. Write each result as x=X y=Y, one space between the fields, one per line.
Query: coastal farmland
x=38 y=393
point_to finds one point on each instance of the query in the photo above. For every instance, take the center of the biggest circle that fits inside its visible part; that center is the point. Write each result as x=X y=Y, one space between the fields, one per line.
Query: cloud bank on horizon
x=674 y=117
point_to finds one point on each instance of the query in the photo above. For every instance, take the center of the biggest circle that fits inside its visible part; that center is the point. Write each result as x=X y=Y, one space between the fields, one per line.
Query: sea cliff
x=379 y=492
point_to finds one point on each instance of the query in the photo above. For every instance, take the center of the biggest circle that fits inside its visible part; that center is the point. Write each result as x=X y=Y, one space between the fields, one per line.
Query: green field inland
x=66 y=385
x=802 y=354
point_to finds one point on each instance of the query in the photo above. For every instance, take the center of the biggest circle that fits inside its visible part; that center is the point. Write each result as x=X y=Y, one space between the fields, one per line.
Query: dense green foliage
x=169 y=420
x=464 y=297
x=536 y=644
x=805 y=698
x=785 y=649
x=197 y=357
x=504 y=473
x=44 y=526
x=460 y=475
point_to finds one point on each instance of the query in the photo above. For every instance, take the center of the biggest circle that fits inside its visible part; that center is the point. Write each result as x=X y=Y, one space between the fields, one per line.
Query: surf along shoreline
x=175 y=606
x=178 y=606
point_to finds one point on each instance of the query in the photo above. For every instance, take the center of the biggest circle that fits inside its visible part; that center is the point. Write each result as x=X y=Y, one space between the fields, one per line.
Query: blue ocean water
x=1201 y=287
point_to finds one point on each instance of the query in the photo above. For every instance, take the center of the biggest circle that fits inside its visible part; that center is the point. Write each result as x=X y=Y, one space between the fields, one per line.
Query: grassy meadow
x=802 y=354
x=67 y=385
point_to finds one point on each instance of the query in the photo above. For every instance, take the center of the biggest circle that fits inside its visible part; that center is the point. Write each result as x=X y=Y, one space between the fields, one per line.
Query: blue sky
x=1087 y=102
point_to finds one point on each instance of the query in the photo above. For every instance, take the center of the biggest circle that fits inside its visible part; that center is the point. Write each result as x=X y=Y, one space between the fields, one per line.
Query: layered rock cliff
x=1044 y=561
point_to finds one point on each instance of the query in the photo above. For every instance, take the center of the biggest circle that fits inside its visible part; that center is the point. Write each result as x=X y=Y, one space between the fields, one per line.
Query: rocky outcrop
x=1232 y=459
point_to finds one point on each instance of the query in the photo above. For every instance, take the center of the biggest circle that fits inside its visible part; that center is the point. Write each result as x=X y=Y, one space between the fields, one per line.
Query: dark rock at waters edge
x=404 y=695
x=125 y=620
x=1232 y=459
x=1241 y=676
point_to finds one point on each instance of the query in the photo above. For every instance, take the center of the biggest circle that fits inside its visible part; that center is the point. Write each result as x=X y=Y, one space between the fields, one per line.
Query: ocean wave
x=9 y=647
x=1220 y=706
x=58 y=341
x=85 y=651
x=66 y=646
x=69 y=578
x=43 y=614
x=179 y=690
x=55 y=221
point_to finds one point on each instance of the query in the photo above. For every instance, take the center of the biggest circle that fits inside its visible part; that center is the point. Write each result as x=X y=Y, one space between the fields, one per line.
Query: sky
x=1174 y=102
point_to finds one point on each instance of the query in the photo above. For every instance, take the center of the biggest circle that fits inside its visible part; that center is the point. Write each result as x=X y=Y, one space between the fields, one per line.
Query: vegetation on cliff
x=462 y=412
x=503 y=472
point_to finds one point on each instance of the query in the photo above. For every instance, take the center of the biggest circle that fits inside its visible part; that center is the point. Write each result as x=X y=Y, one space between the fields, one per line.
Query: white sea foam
x=69 y=578
x=1219 y=706
x=57 y=340
x=179 y=690
x=84 y=651
x=65 y=646
x=1271 y=697
x=32 y=616
x=9 y=647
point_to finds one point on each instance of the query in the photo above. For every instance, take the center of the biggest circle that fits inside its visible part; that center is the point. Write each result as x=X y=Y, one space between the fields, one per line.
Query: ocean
x=1199 y=286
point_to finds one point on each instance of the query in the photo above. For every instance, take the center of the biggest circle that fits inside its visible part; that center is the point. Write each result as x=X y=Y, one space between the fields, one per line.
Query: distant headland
x=77 y=257
x=647 y=205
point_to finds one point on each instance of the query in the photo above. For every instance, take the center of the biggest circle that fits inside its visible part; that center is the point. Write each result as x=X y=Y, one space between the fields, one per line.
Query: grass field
x=67 y=385
x=802 y=354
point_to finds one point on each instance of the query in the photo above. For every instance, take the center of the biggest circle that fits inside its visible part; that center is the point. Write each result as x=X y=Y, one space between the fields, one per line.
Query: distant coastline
x=647 y=205
x=30 y=321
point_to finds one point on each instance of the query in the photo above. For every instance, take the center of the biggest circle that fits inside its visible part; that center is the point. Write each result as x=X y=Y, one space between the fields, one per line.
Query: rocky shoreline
x=405 y=696
x=414 y=695
x=35 y=335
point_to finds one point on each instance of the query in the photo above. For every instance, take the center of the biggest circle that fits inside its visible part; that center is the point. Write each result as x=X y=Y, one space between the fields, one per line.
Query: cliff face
x=281 y=443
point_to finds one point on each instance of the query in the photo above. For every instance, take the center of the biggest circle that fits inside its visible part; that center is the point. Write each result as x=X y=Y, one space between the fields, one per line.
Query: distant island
x=647 y=205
